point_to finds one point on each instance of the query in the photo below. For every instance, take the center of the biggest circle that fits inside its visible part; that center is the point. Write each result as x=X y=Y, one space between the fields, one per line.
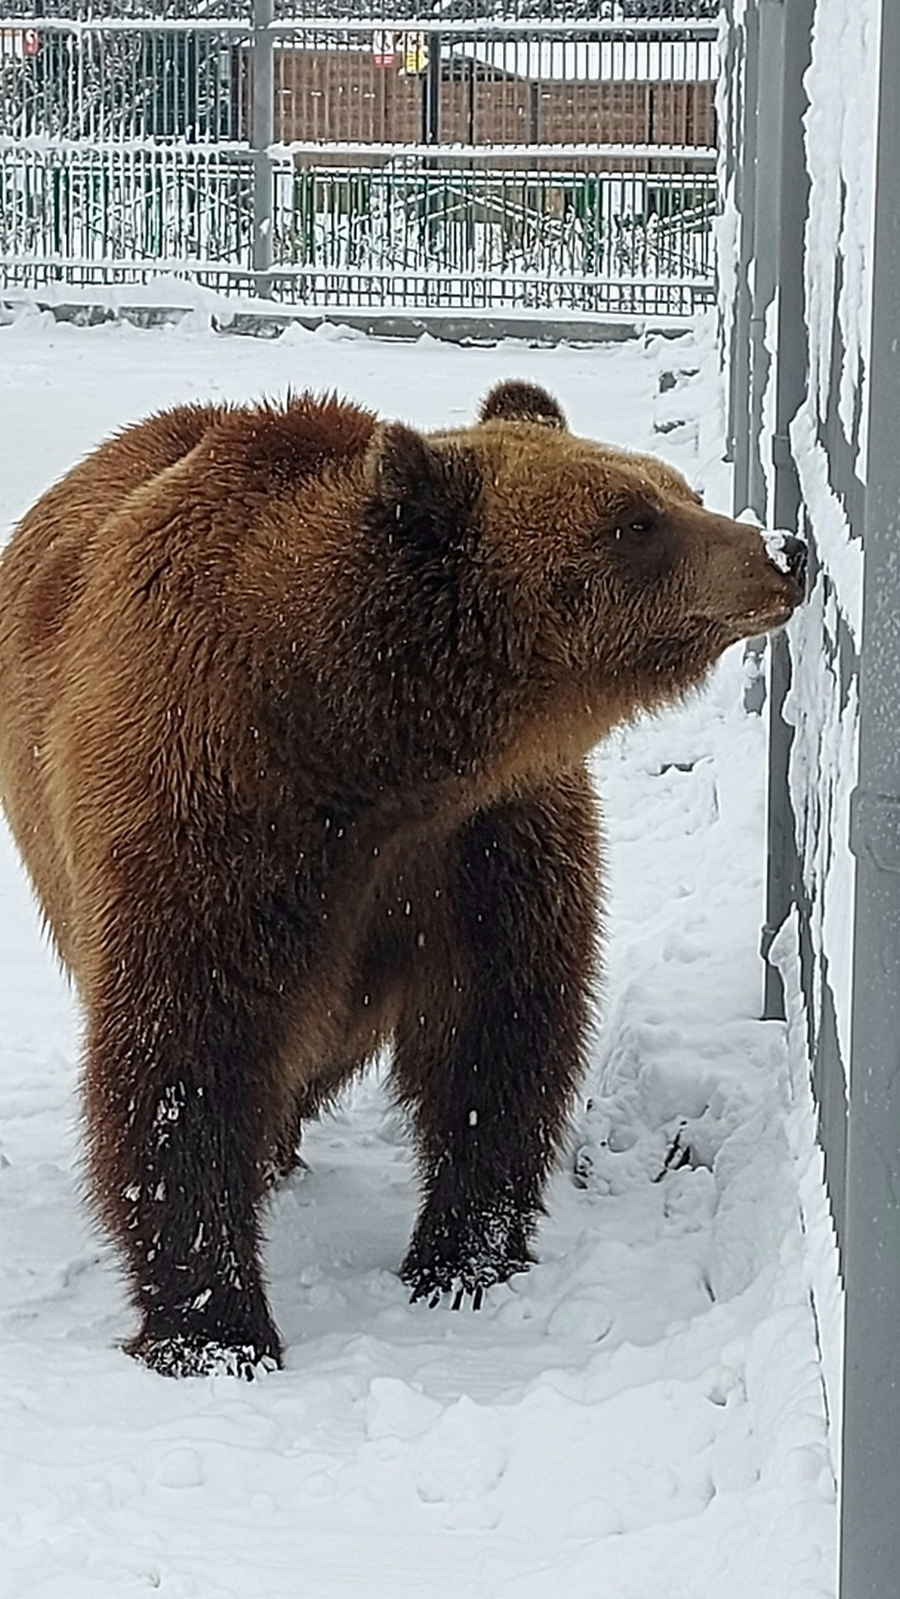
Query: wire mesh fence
x=351 y=157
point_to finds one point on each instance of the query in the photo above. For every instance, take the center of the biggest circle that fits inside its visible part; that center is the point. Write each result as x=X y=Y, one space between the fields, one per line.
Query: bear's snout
x=790 y=555
x=755 y=578
x=797 y=553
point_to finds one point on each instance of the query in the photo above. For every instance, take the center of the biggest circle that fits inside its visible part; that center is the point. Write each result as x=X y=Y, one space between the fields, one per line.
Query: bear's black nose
x=796 y=553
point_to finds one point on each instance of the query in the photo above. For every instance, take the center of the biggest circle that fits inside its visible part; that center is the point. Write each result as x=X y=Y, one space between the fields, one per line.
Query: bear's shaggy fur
x=296 y=705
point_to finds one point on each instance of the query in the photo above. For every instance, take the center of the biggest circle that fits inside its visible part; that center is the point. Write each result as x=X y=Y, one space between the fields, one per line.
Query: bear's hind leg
x=491 y=1044
x=180 y=1096
x=286 y=1159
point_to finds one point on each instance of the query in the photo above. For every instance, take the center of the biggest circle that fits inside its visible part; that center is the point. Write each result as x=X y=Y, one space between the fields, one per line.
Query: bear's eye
x=641 y=524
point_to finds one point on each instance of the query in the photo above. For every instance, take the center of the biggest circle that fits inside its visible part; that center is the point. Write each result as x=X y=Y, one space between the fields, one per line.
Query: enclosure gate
x=811 y=320
x=433 y=158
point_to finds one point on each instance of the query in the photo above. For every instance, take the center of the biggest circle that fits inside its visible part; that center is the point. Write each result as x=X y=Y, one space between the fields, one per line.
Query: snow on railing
x=453 y=28
x=172 y=149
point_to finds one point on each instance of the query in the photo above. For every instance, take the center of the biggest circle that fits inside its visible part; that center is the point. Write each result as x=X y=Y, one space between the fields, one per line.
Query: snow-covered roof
x=618 y=61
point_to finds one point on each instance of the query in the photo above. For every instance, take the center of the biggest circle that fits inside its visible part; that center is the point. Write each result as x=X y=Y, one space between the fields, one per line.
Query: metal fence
x=811 y=312
x=428 y=158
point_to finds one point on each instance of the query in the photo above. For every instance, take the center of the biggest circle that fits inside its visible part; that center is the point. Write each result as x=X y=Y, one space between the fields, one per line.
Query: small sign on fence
x=415 y=54
x=19 y=42
x=383 y=49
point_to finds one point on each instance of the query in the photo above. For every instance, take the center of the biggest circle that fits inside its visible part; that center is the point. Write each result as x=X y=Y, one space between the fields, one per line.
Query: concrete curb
x=448 y=326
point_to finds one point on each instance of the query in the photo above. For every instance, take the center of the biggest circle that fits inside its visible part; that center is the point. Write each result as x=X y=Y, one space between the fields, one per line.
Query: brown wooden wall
x=343 y=96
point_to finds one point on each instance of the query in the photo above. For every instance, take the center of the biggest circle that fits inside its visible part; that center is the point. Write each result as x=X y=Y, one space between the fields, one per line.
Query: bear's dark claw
x=462 y=1287
x=192 y=1355
x=460 y=1294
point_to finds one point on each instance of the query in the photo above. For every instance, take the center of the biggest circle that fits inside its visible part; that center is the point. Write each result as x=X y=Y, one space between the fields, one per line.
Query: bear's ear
x=419 y=483
x=515 y=401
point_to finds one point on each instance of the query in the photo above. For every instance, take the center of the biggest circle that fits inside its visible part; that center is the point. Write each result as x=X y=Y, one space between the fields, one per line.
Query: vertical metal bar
x=792 y=343
x=767 y=222
x=728 y=135
x=740 y=371
x=431 y=91
x=190 y=59
x=870 y=1543
x=431 y=130
x=757 y=202
x=262 y=135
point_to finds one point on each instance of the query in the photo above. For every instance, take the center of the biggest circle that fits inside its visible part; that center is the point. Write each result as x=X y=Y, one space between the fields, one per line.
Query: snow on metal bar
x=468 y=28
x=172 y=152
x=480 y=28
x=40 y=144
x=105 y=25
x=655 y=152
x=596 y=61
x=195 y=264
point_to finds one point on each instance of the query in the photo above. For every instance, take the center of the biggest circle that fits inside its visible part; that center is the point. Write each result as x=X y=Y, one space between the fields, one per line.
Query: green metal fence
x=337 y=163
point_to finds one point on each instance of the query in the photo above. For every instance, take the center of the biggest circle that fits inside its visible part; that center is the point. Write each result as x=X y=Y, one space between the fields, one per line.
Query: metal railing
x=811 y=308
x=349 y=159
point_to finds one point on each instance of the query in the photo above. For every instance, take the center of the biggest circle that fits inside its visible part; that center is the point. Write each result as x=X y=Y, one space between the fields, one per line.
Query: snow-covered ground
x=642 y=1415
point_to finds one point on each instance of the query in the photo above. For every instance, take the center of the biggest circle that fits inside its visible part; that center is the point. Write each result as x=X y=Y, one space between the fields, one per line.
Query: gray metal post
x=741 y=366
x=262 y=136
x=790 y=386
x=729 y=149
x=870 y=1555
x=740 y=371
x=762 y=288
x=431 y=91
x=766 y=230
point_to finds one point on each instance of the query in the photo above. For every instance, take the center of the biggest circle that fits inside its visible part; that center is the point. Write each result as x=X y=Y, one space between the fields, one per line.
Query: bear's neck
x=415 y=685
x=436 y=694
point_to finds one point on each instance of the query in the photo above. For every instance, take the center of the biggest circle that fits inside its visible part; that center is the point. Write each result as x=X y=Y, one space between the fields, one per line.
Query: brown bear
x=296 y=705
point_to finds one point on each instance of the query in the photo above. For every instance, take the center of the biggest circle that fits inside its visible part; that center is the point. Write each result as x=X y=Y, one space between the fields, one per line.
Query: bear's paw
x=193 y=1355
x=462 y=1275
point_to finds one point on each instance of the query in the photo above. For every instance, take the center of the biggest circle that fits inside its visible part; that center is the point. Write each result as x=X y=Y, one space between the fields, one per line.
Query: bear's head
x=600 y=570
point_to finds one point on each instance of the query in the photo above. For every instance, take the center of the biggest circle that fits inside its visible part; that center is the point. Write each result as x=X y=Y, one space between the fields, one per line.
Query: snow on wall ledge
x=822 y=707
x=831 y=228
x=818 y=1261
x=840 y=156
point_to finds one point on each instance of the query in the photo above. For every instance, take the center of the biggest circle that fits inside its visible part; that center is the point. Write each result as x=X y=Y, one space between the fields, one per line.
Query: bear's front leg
x=491 y=1045
x=179 y=1096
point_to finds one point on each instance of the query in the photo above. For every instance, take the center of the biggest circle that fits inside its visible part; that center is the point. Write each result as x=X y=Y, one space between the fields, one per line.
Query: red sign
x=383 y=51
x=19 y=42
